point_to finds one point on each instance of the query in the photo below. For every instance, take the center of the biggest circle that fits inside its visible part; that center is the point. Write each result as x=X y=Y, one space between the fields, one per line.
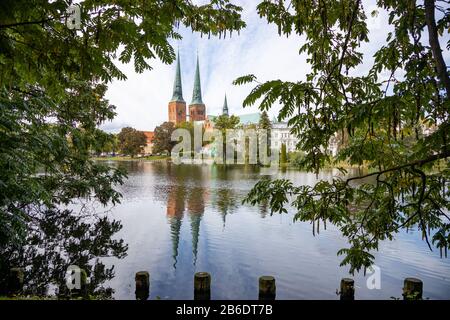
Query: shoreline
x=209 y=162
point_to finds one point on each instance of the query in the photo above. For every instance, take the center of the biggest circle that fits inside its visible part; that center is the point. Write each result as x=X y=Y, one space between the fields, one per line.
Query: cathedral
x=177 y=105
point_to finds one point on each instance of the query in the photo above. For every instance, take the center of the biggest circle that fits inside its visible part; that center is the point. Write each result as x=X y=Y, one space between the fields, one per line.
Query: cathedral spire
x=197 y=93
x=177 y=88
x=225 y=106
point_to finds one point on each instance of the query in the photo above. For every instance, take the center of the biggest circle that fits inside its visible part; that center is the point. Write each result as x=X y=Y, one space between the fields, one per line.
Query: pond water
x=181 y=219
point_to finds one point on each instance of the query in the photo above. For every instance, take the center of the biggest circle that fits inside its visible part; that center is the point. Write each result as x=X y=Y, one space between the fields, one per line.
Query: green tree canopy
x=264 y=121
x=385 y=120
x=283 y=155
x=131 y=141
x=224 y=122
x=162 y=140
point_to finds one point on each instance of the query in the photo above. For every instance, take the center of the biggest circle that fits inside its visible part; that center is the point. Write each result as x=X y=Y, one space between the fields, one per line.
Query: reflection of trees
x=225 y=202
x=263 y=209
x=57 y=239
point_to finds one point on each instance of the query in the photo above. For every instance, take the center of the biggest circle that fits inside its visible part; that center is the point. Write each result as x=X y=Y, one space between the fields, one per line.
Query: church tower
x=197 y=109
x=225 y=107
x=177 y=105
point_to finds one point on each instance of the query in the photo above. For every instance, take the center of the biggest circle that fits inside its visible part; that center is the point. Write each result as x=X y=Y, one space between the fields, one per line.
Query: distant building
x=281 y=134
x=177 y=105
x=249 y=118
x=148 y=149
x=244 y=119
x=197 y=109
x=225 y=106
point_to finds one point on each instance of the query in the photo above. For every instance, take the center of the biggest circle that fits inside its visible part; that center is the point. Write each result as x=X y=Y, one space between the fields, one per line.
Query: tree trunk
x=435 y=47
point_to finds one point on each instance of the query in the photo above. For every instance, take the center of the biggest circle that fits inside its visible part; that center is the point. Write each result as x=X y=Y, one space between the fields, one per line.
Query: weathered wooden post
x=15 y=281
x=202 y=286
x=267 y=288
x=347 y=289
x=142 y=280
x=412 y=289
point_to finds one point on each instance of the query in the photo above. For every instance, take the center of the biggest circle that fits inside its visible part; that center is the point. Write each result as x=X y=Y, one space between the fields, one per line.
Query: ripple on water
x=179 y=220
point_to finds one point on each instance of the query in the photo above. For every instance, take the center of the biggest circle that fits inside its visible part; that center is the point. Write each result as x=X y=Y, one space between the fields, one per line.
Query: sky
x=141 y=100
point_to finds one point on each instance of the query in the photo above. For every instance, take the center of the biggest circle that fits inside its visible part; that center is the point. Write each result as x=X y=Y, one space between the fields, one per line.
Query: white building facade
x=280 y=133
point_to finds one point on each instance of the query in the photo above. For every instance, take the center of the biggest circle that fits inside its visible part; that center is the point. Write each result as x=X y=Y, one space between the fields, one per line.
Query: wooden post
x=267 y=288
x=347 y=289
x=15 y=281
x=202 y=286
x=142 y=280
x=412 y=289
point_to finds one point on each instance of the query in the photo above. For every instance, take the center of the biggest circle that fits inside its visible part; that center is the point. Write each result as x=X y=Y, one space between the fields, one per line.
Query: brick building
x=149 y=146
x=177 y=105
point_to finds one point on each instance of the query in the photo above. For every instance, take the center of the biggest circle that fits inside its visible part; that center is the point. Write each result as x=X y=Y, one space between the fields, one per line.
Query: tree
x=162 y=140
x=113 y=145
x=108 y=142
x=189 y=126
x=283 y=155
x=296 y=158
x=265 y=124
x=383 y=118
x=131 y=141
x=52 y=85
x=264 y=121
x=222 y=123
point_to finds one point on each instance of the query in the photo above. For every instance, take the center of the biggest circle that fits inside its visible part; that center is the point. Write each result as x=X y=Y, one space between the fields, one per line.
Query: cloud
x=142 y=99
x=114 y=126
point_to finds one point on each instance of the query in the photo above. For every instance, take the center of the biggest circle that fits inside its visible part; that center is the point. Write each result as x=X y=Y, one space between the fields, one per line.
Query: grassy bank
x=128 y=158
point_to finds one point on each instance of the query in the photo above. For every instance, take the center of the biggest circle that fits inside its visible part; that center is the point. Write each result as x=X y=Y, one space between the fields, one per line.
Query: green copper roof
x=177 y=88
x=197 y=94
x=225 y=106
x=249 y=118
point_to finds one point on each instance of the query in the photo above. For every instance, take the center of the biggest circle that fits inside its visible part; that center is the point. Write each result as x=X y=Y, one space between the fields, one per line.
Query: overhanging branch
x=420 y=162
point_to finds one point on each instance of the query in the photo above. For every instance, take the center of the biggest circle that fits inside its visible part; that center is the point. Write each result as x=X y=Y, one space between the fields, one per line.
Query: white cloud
x=142 y=99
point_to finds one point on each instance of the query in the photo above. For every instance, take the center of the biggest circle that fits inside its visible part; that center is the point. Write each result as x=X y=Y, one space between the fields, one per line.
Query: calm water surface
x=180 y=219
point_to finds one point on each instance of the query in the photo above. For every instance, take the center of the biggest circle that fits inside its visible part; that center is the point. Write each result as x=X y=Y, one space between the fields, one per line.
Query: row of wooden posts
x=412 y=288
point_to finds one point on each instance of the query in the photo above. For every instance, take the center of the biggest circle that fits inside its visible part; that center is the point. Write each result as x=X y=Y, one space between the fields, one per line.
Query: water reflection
x=225 y=202
x=57 y=239
x=187 y=191
x=187 y=218
x=180 y=197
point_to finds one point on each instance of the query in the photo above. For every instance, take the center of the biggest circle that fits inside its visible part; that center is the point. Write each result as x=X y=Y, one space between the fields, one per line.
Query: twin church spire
x=177 y=94
x=177 y=87
x=197 y=92
x=177 y=105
